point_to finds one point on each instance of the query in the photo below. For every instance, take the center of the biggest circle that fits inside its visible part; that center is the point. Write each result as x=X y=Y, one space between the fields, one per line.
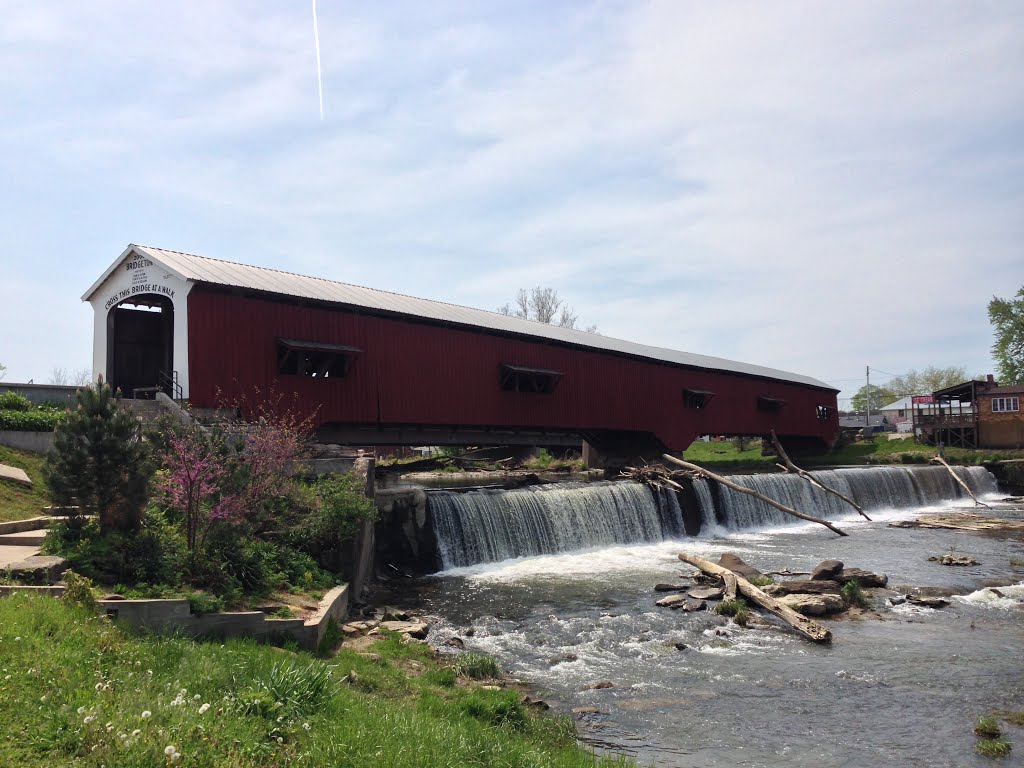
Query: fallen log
x=740 y=489
x=942 y=461
x=791 y=467
x=809 y=629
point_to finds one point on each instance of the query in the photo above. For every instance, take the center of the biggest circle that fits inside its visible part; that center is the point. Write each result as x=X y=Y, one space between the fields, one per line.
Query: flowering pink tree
x=193 y=483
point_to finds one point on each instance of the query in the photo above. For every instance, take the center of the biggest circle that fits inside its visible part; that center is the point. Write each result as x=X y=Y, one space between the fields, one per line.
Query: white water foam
x=1011 y=596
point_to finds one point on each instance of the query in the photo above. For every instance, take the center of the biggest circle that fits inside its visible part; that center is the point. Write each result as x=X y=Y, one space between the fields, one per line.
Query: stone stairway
x=19 y=552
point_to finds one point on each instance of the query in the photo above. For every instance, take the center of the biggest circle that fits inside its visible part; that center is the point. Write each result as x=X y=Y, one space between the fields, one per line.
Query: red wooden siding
x=413 y=373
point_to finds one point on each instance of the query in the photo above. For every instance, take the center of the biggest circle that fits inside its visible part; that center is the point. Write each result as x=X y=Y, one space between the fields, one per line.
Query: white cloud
x=799 y=185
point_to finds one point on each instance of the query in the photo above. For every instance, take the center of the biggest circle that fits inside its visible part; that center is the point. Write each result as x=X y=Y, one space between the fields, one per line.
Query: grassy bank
x=77 y=691
x=17 y=502
x=879 y=451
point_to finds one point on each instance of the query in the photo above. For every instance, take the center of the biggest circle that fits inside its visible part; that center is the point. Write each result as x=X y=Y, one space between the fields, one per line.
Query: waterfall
x=489 y=526
x=873 y=488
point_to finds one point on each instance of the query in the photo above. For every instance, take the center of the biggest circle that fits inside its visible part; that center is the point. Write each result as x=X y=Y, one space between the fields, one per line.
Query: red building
x=382 y=368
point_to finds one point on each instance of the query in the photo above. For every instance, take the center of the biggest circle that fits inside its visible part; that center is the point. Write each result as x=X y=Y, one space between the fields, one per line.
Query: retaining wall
x=41 y=393
x=176 y=616
x=36 y=442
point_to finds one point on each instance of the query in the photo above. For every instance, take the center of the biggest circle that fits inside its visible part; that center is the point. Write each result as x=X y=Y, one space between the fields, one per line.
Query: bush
x=13 y=401
x=339 y=507
x=31 y=421
x=201 y=603
x=78 y=591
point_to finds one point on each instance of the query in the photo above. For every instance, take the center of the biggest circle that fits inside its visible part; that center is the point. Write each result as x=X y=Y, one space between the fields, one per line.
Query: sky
x=815 y=187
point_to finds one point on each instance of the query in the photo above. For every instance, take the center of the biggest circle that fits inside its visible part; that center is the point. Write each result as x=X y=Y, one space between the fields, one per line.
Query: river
x=900 y=686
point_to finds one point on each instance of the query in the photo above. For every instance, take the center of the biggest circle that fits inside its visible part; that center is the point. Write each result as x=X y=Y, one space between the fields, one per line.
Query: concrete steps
x=23 y=538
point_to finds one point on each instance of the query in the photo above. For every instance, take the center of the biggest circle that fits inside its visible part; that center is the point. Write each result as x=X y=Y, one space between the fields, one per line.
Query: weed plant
x=476 y=666
x=995 y=748
x=988 y=727
x=736 y=608
x=854 y=595
x=78 y=690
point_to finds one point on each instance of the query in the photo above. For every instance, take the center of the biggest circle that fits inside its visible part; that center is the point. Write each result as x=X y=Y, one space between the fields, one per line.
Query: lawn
x=879 y=451
x=16 y=501
x=79 y=691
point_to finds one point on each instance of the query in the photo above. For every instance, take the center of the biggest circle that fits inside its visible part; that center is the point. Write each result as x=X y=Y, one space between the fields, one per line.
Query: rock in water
x=814 y=605
x=951 y=559
x=736 y=565
x=864 y=578
x=801 y=586
x=827 y=570
x=670 y=587
x=926 y=601
x=672 y=601
x=691 y=606
x=415 y=629
x=706 y=593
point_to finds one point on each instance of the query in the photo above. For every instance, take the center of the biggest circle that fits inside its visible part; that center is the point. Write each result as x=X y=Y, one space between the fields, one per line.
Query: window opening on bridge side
x=317 y=360
x=770 y=404
x=697 y=398
x=519 y=378
x=825 y=412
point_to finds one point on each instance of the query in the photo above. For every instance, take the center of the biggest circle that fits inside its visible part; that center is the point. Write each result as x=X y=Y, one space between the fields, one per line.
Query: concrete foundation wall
x=36 y=442
x=176 y=616
x=41 y=393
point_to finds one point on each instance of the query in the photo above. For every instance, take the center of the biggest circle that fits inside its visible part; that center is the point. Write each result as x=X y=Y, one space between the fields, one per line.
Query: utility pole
x=867 y=391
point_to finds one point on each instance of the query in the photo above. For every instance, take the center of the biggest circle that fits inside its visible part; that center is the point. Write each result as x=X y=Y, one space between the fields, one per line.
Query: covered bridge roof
x=202 y=269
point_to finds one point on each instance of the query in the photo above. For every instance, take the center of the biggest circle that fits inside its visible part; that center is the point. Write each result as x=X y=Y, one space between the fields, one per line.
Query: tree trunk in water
x=800 y=623
x=791 y=467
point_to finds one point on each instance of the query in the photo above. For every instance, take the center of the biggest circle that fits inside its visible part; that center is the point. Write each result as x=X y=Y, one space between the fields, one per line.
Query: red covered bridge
x=380 y=368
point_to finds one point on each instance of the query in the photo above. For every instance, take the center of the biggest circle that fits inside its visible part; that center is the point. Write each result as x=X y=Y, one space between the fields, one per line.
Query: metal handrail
x=169 y=382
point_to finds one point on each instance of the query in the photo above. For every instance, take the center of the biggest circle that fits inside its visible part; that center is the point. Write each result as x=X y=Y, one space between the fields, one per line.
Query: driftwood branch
x=955 y=476
x=791 y=467
x=740 y=489
x=809 y=629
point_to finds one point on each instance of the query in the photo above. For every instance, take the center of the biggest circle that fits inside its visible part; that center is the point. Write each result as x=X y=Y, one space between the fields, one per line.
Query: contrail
x=319 y=70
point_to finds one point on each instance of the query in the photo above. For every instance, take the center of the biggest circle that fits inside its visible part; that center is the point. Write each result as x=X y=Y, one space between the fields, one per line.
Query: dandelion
x=99 y=686
x=146 y=715
x=197 y=697
x=305 y=726
x=203 y=708
x=81 y=710
x=136 y=732
x=176 y=757
x=88 y=719
x=7 y=677
x=170 y=749
x=19 y=638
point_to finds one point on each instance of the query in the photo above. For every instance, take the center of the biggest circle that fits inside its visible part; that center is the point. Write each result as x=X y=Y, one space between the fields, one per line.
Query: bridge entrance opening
x=140 y=338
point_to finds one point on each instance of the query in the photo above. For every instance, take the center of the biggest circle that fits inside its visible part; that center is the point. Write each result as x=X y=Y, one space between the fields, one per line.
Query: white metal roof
x=202 y=269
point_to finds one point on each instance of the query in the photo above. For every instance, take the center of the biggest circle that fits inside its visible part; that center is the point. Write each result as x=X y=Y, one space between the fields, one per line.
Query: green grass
x=879 y=451
x=994 y=748
x=737 y=608
x=906 y=451
x=988 y=727
x=16 y=501
x=726 y=452
x=77 y=690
